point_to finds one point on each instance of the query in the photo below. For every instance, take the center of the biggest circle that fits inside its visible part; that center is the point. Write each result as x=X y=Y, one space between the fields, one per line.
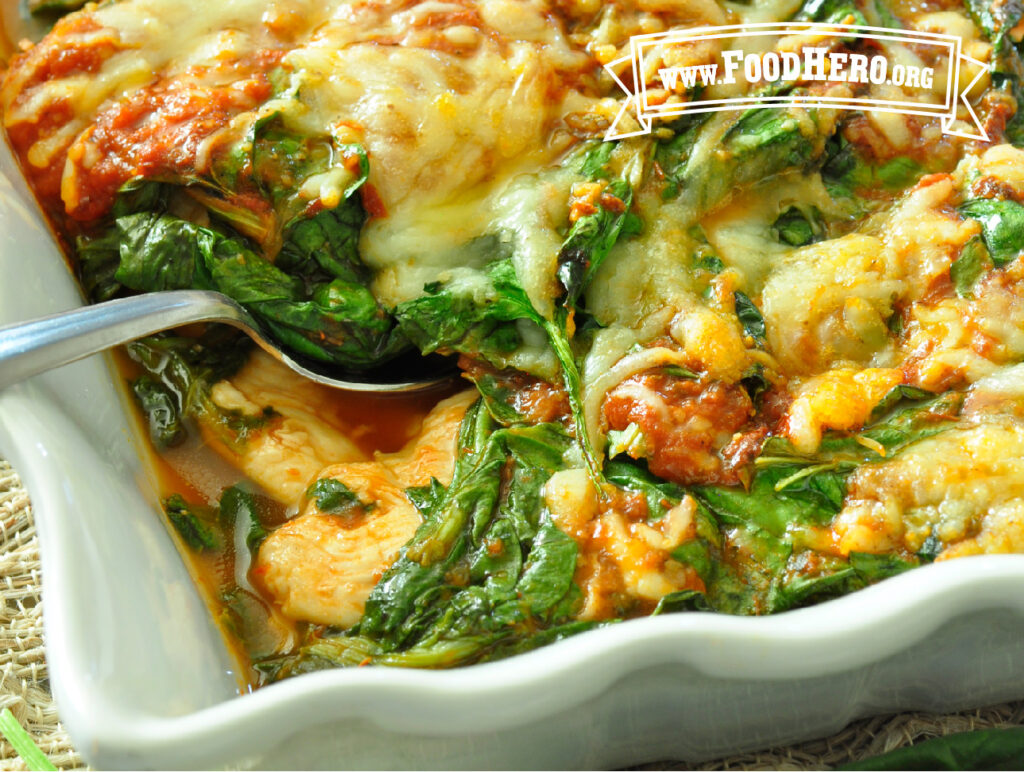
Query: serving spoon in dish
x=29 y=348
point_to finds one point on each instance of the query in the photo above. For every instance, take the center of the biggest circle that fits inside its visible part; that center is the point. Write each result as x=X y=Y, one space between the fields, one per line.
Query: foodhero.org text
x=812 y=64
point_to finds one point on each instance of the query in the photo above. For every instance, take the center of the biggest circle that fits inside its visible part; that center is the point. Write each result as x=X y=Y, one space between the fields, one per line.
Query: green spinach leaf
x=333 y=497
x=479 y=318
x=982 y=749
x=483 y=574
x=592 y=237
x=1002 y=226
x=798 y=227
x=178 y=374
x=969 y=266
x=760 y=144
x=240 y=511
x=751 y=319
x=194 y=524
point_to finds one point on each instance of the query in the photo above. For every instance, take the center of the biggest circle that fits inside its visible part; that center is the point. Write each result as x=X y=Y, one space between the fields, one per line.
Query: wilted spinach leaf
x=661 y=495
x=322 y=310
x=484 y=573
x=161 y=409
x=799 y=228
x=1002 y=226
x=592 y=237
x=192 y=523
x=240 y=512
x=333 y=497
x=997 y=19
x=178 y=375
x=751 y=319
x=54 y=7
x=476 y=317
x=873 y=568
x=834 y=11
x=775 y=510
x=684 y=600
x=846 y=171
x=969 y=266
x=313 y=296
x=472 y=318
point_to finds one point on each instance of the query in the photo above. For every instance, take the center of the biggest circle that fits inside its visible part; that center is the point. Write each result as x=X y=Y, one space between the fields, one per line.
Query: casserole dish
x=142 y=678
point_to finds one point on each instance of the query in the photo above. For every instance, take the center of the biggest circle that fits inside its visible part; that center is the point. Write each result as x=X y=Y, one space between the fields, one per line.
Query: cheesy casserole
x=751 y=361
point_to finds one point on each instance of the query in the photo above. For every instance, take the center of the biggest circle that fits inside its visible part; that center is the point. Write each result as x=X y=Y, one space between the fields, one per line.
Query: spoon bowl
x=29 y=348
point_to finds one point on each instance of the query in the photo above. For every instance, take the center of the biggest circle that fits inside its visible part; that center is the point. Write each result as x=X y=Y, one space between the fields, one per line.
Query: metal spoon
x=29 y=348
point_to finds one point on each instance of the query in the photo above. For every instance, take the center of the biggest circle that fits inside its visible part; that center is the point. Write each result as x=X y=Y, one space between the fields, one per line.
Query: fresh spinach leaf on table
x=983 y=749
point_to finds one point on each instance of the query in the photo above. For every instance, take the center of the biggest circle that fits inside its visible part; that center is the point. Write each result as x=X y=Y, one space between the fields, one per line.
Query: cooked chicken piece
x=321 y=567
x=301 y=436
x=432 y=452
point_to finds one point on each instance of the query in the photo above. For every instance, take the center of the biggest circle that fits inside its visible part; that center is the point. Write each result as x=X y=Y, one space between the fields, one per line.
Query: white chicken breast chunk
x=301 y=437
x=321 y=567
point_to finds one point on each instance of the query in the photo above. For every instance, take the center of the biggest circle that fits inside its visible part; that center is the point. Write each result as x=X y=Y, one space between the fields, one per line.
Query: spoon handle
x=32 y=347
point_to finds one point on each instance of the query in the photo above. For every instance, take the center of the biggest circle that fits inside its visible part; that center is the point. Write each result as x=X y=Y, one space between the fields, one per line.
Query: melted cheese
x=519 y=216
x=436 y=123
x=451 y=101
x=838 y=399
x=618 y=555
x=644 y=279
x=741 y=232
x=829 y=303
x=949 y=485
x=150 y=38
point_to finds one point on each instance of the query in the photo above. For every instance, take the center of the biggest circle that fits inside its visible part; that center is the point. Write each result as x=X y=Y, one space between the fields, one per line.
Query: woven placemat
x=24 y=684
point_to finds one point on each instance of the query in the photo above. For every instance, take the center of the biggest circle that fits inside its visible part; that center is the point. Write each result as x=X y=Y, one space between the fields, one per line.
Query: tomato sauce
x=685 y=423
x=156 y=132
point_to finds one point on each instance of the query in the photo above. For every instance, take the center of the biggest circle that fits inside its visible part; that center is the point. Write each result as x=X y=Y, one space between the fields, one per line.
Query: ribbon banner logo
x=818 y=63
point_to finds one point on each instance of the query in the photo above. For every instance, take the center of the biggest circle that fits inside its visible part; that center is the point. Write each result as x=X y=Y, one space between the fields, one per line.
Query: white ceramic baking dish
x=143 y=680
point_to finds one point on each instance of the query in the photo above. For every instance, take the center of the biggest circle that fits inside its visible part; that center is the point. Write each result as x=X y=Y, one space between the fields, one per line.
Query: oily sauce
x=252 y=626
